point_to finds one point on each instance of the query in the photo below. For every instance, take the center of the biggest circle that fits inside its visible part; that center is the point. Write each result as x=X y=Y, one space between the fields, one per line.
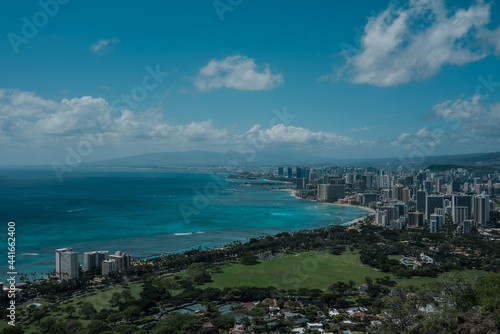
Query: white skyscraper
x=67 y=265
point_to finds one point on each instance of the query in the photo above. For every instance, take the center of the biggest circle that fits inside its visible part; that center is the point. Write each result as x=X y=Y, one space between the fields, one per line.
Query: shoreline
x=149 y=244
x=293 y=194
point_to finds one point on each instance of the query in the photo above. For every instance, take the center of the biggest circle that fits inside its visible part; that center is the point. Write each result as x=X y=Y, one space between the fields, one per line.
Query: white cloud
x=413 y=43
x=459 y=125
x=364 y=128
x=104 y=45
x=28 y=120
x=471 y=117
x=236 y=72
x=15 y=103
x=75 y=116
x=281 y=133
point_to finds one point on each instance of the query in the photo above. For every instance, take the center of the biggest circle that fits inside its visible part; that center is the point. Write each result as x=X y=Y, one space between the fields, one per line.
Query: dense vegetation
x=453 y=303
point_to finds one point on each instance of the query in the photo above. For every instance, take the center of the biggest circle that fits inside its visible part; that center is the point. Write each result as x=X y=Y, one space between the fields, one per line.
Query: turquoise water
x=140 y=212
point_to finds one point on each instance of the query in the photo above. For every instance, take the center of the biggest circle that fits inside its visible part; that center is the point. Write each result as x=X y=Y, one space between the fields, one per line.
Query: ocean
x=142 y=212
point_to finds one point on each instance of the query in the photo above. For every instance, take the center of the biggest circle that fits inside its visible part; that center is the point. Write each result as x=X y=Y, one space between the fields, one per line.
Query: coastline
x=293 y=194
x=163 y=235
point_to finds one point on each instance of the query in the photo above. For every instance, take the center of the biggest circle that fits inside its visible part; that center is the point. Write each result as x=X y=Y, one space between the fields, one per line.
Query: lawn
x=98 y=298
x=307 y=270
x=303 y=270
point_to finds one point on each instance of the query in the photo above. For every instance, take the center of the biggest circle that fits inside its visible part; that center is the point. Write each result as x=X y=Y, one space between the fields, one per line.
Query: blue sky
x=361 y=78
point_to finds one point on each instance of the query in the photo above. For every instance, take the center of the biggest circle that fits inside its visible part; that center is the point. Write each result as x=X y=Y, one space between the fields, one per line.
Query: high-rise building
x=433 y=226
x=421 y=195
x=301 y=183
x=437 y=183
x=330 y=192
x=428 y=187
x=369 y=197
x=416 y=219
x=455 y=186
x=397 y=192
x=462 y=200
x=381 y=218
x=67 y=265
x=392 y=212
x=406 y=196
x=289 y=172
x=439 y=220
x=300 y=172
x=460 y=213
x=482 y=210
x=433 y=202
x=93 y=260
x=384 y=181
x=467 y=226
x=280 y=171
x=108 y=267
x=122 y=260
x=369 y=180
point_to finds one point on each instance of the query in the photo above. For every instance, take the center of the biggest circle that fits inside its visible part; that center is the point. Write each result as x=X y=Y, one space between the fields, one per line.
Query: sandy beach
x=292 y=192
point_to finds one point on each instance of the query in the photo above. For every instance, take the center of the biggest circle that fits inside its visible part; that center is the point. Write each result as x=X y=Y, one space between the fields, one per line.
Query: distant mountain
x=441 y=168
x=206 y=158
x=465 y=159
x=278 y=157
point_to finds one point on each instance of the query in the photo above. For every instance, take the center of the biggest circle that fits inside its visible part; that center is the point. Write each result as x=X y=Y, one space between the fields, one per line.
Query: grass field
x=308 y=270
x=98 y=298
x=312 y=270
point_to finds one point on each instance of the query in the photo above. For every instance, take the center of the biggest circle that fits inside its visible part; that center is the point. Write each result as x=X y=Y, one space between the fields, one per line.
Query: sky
x=87 y=80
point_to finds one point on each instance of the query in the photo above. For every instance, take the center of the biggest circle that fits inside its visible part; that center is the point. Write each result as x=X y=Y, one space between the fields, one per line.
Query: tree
x=224 y=322
x=128 y=329
x=38 y=315
x=127 y=296
x=132 y=311
x=96 y=327
x=12 y=330
x=70 y=309
x=178 y=323
x=488 y=289
x=248 y=259
x=87 y=310
x=339 y=287
x=115 y=298
x=46 y=323
x=402 y=310
x=73 y=326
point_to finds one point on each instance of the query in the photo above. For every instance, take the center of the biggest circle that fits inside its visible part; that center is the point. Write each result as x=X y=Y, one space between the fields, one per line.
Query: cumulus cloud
x=281 y=133
x=15 y=103
x=459 y=124
x=37 y=122
x=104 y=45
x=414 y=42
x=236 y=72
x=472 y=116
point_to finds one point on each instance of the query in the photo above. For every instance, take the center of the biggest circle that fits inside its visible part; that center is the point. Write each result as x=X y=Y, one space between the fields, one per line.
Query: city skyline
x=346 y=80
